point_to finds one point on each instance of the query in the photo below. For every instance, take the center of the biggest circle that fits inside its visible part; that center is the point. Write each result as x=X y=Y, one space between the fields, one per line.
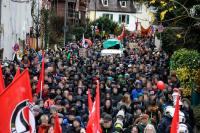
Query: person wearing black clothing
x=116 y=96
x=108 y=108
x=107 y=124
x=76 y=126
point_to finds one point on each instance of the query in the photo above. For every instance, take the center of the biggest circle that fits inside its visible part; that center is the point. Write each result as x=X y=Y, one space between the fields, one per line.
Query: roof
x=113 y=6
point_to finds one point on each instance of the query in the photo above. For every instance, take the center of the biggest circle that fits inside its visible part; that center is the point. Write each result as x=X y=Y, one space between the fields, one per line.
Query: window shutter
x=120 y=19
x=127 y=19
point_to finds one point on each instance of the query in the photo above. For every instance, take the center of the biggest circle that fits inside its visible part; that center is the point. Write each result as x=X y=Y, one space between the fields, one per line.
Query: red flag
x=57 y=127
x=93 y=125
x=98 y=109
x=41 y=78
x=90 y=125
x=89 y=101
x=175 y=120
x=1 y=81
x=144 y=31
x=123 y=33
x=17 y=74
x=18 y=96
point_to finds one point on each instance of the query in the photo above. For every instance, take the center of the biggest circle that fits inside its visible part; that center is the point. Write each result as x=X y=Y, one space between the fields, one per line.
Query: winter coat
x=135 y=93
x=109 y=130
x=116 y=98
x=164 y=125
x=72 y=130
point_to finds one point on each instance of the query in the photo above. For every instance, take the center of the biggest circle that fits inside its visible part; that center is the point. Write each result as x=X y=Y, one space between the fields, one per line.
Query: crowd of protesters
x=130 y=99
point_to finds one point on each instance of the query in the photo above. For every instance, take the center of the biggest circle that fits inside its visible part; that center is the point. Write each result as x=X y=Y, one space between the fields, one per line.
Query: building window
x=123 y=3
x=124 y=19
x=71 y=10
x=105 y=2
x=138 y=7
x=1 y=53
x=109 y=16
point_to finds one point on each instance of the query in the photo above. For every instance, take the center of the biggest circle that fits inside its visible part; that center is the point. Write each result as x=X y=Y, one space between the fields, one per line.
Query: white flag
x=83 y=42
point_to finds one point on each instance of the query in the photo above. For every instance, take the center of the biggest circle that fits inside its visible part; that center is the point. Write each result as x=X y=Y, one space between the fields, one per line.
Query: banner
x=14 y=102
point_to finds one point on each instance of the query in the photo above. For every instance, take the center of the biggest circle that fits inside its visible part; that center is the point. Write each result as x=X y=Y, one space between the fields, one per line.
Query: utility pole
x=95 y=9
x=37 y=26
x=65 y=21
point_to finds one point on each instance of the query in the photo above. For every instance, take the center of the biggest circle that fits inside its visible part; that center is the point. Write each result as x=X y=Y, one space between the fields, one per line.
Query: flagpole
x=41 y=90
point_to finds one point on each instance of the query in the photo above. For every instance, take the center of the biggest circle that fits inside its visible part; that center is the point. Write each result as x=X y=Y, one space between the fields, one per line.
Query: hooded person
x=128 y=117
x=119 y=123
x=137 y=91
x=164 y=125
x=76 y=126
x=189 y=114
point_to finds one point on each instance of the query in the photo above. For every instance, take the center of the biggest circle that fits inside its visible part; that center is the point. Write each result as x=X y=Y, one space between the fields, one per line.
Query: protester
x=130 y=101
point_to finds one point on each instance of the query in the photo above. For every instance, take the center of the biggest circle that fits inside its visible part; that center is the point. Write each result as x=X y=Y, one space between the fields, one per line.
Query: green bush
x=104 y=24
x=185 y=58
x=78 y=32
x=186 y=63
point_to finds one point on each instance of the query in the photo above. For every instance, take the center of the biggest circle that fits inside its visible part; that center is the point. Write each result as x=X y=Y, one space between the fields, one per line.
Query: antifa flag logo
x=16 y=113
x=22 y=119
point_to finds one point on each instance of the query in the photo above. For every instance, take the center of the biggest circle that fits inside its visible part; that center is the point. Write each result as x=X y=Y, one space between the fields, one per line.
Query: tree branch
x=188 y=13
x=186 y=34
x=173 y=18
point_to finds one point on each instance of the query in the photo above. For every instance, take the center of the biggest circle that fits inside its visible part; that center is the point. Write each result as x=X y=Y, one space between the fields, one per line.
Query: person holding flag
x=40 y=84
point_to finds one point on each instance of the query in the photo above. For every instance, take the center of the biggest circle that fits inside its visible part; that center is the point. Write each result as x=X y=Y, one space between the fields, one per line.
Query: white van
x=105 y=52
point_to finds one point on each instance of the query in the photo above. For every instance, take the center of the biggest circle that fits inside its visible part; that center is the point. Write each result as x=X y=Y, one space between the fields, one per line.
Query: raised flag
x=40 y=84
x=91 y=128
x=97 y=99
x=57 y=127
x=14 y=102
x=84 y=44
x=93 y=125
x=2 y=87
x=175 y=120
x=17 y=74
x=89 y=101
x=123 y=33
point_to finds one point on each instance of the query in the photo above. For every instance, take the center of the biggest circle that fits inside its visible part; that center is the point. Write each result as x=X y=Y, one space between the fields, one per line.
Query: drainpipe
x=65 y=21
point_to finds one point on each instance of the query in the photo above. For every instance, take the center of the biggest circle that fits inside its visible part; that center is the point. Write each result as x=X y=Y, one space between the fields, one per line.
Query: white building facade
x=127 y=12
x=16 y=21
